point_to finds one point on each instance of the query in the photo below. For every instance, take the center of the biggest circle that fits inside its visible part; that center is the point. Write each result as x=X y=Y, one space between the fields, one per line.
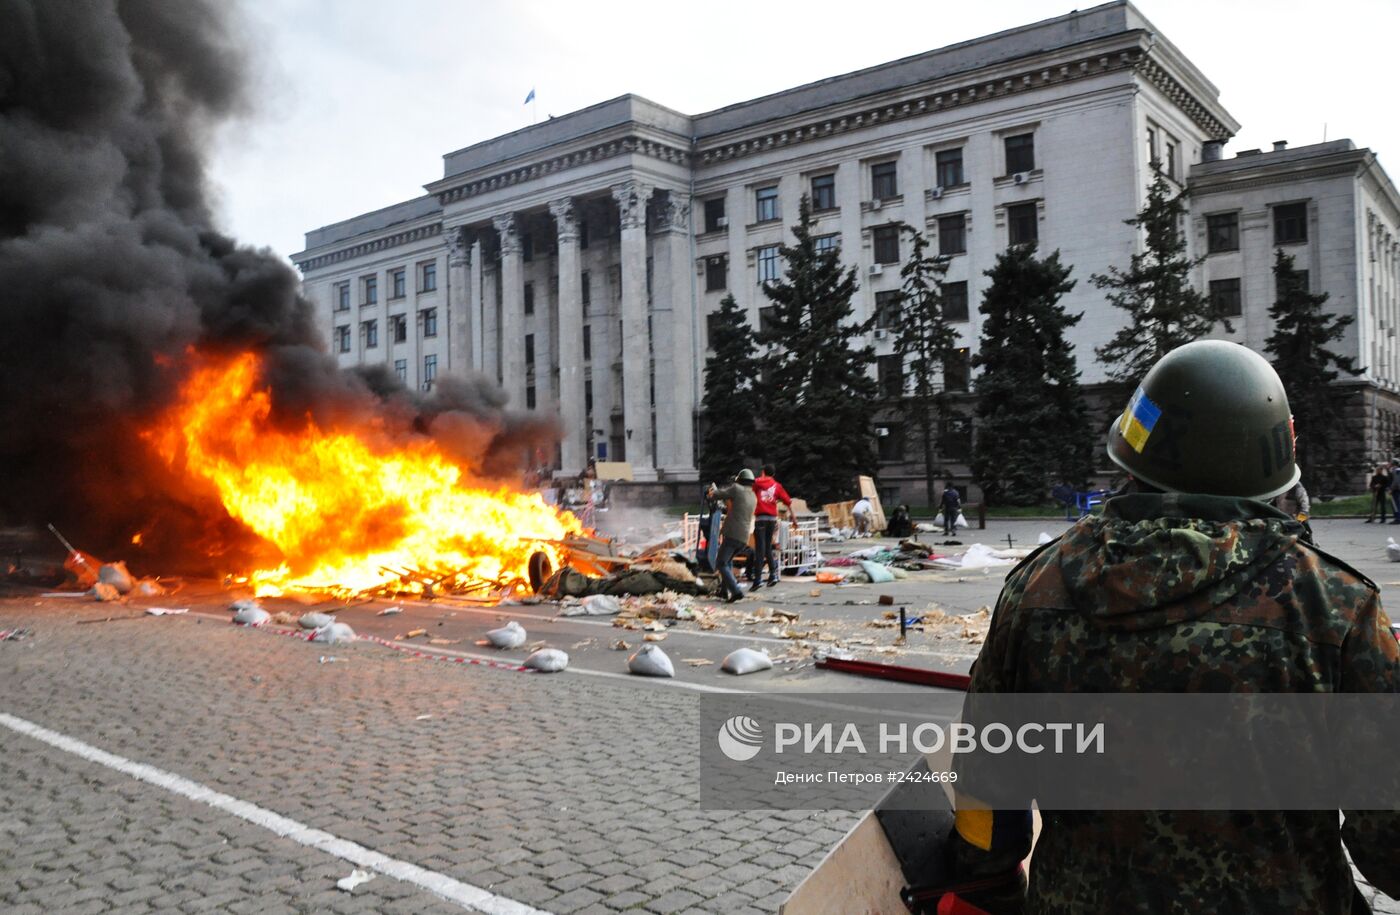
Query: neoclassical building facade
x=576 y=261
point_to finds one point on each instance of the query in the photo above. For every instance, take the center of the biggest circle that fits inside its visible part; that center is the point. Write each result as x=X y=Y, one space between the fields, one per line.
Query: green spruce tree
x=926 y=341
x=730 y=406
x=1299 y=353
x=818 y=392
x=1032 y=422
x=1164 y=310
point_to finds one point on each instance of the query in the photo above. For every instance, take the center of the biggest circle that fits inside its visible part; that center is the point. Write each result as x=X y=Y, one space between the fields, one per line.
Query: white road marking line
x=470 y=897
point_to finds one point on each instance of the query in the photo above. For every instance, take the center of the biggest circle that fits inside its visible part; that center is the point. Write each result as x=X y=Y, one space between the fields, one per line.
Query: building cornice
x=1282 y=177
x=317 y=261
x=1156 y=74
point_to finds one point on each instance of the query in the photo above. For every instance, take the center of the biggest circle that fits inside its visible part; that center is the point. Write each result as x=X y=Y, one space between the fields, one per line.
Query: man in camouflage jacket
x=1170 y=591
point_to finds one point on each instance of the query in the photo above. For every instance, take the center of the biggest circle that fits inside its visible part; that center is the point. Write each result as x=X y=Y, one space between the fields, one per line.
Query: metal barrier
x=795 y=548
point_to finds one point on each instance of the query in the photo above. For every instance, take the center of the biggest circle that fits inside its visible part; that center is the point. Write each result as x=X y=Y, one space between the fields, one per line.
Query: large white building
x=576 y=261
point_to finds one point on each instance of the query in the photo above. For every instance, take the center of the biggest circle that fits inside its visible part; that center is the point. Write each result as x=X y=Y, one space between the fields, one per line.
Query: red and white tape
x=306 y=636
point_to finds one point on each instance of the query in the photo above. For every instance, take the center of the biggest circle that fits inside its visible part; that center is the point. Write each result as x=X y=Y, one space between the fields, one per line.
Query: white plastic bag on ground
x=116 y=575
x=104 y=592
x=746 y=661
x=1392 y=549
x=334 y=633
x=315 y=620
x=938 y=520
x=961 y=522
x=511 y=635
x=356 y=877
x=924 y=527
x=651 y=661
x=596 y=605
x=548 y=660
x=249 y=613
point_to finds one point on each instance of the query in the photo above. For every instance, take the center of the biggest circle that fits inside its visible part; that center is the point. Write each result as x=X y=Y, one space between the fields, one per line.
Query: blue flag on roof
x=531 y=97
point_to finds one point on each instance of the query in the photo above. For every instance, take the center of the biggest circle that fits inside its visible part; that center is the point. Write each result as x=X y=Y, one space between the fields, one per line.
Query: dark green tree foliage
x=1164 y=310
x=730 y=406
x=925 y=340
x=1032 y=421
x=818 y=392
x=1299 y=353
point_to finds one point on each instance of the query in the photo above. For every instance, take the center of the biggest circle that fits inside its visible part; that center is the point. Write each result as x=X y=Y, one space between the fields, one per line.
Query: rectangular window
x=427 y=276
x=587 y=342
x=884 y=180
x=529 y=298
x=583 y=231
x=530 y=397
x=371 y=332
x=429 y=322
x=615 y=280
x=1022 y=226
x=767 y=318
x=827 y=244
x=889 y=440
x=956 y=370
x=529 y=349
x=952 y=234
x=1290 y=223
x=398 y=328
x=1171 y=161
x=1153 y=158
x=429 y=370
x=527 y=247
x=955 y=301
x=824 y=192
x=711 y=322
x=949 y=165
x=886 y=240
x=397 y=283
x=371 y=290
x=714 y=214
x=955 y=438
x=768 y=264
x=887 y=309
x=1020 y=153
x=401 y=369
x=588 y=397
x=1222 y=232
x=765 y=201
x=716 y=274
x=585 y=288
x=342 y=338
x=1225 y=297
x=890 y=370
x=342 y=297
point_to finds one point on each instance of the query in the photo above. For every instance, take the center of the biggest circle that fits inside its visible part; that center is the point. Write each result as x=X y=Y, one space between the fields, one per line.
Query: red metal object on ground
x=895 y=672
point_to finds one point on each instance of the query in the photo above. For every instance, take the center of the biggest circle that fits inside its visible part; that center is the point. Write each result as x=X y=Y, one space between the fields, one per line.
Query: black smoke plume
x=111 y=270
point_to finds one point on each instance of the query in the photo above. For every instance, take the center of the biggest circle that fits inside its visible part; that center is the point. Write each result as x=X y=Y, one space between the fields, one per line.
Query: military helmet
x=1210 y=417
x=744 y=476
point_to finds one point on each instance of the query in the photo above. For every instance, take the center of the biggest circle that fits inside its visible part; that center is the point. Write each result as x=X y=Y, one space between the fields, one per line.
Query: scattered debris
x=334 y=634
x=815 y=592
x=356 y=878
x=422 y=717
x=594 y=605
x=166 y=611
x=443 y=641
x=15 y=635
x=651 y=661
x=746 y=661
x=64 y=594
x=116 y=575
x=148 y=587
x=329 y=659
x=654 y=637
x=697 y=662
x=620 y=645
x=249 y=613
x=414 y=633
x=1392 y=549
x=886 y=600
x=104 y=592
x=511 y=635
x=315 y=620
x=389 y=611
x=283 y=618
x=547 y=660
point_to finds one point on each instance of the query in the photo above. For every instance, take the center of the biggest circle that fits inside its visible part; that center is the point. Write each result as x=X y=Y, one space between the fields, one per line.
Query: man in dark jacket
x=734 y=533
x=951 y=507
x=1190 y=583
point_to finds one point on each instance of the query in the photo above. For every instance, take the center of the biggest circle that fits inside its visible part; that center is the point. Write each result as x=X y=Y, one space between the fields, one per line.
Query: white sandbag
x=315 y=620
x=596 y=605
x=879 y=574
x=548 y=660
x=1044 y=538
x=924 y=527
x=746 y=661
x=104 y=592
x=116 y=575
x=651 y=661
x=511 y=635
x=961 y=522
x=334 y=633
x=147 y=587
x=248 y=613
x=1392 y=549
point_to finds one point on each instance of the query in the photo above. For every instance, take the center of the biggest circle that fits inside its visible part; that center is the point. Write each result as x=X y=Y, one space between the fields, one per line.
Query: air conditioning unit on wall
x=722 y=222
x=1020 y=177
x=876 y=203
x=877 y=269
x=881 y=333
x=936 y=192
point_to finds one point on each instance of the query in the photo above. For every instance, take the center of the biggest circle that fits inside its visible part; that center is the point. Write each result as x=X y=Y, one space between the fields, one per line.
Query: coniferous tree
x=1164 y=310
x=1299 y=353
x=817 y=389
x=1032 y=421
x=926 y=341
x=730 y=405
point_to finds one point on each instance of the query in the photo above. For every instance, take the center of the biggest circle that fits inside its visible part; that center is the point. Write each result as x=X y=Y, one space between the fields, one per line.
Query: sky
x=356 y=101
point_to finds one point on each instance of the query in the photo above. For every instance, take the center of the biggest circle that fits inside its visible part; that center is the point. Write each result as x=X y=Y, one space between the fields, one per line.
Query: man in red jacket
x=765 y=514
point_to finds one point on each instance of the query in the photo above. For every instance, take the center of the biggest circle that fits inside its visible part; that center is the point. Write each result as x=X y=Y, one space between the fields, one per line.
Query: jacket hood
x=1156 y=559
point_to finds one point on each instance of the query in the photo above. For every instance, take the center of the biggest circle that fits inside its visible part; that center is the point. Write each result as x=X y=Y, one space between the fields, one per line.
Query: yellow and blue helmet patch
x=1138 y=420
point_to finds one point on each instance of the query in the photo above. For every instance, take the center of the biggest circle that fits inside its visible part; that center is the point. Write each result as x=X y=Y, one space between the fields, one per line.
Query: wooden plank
x=868 y=491
x=613 y=470
x=859 y=876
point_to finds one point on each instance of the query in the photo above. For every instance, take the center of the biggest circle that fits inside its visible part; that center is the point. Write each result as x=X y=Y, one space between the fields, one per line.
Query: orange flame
x=347 y=509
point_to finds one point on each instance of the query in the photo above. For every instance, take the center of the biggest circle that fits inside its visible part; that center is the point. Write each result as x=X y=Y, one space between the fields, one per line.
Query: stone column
x=673 y=325
x=476 y=300
x=572 y=411
x=512 y=313
x=631 y=197
x=459 y=301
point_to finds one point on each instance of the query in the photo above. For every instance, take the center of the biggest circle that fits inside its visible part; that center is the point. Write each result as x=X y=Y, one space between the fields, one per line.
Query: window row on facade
x=426 y=272
x=398 y=330
x=1290 y=225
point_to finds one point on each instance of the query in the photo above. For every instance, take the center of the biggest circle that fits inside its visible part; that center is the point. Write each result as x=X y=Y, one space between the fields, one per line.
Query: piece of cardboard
x=613 y=470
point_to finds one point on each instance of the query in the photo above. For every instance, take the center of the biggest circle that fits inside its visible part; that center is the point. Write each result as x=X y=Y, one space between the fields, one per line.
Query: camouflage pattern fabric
x=1178 y=593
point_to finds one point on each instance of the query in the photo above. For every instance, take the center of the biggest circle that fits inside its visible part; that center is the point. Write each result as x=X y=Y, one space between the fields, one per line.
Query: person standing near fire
x=768 y=492
x=734 y=532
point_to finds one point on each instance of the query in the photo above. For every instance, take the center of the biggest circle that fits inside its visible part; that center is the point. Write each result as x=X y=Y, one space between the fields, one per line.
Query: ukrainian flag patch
x=1138 y=420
